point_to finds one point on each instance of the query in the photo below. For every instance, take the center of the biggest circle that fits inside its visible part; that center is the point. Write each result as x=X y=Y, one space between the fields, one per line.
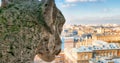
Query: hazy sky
x=90 y=11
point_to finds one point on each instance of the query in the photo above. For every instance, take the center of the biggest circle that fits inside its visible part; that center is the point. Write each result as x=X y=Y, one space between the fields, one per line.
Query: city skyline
x=90 y=11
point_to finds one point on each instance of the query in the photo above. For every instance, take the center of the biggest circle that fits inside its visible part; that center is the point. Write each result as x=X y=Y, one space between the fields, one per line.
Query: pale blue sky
x=90 y=11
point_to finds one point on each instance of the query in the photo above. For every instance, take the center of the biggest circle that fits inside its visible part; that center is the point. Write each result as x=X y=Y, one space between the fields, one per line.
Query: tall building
x=94 y=53
x=107 y=37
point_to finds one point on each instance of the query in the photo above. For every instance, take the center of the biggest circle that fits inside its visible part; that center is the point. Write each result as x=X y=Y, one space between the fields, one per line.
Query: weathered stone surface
x=27 y=28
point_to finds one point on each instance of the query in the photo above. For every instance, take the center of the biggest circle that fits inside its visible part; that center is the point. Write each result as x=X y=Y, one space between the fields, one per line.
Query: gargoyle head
x=31 y=27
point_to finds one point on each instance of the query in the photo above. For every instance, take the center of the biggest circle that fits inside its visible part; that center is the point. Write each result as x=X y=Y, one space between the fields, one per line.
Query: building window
x=86 y=56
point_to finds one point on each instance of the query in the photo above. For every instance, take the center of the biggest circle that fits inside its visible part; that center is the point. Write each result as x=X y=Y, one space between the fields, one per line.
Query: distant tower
x=75 y=41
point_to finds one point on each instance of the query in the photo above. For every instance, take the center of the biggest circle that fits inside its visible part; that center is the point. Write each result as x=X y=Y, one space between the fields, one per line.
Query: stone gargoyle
x=27 y=28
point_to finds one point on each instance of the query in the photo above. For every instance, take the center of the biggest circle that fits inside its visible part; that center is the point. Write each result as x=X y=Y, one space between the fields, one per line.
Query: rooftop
x=98 y=45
